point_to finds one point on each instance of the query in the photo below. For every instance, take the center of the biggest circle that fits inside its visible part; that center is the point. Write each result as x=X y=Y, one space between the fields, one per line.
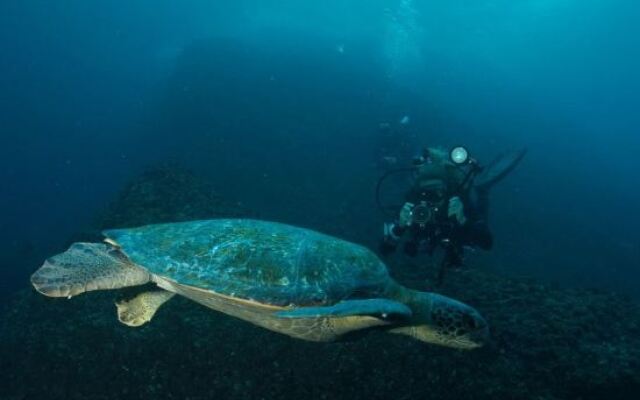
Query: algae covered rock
x=167 y=193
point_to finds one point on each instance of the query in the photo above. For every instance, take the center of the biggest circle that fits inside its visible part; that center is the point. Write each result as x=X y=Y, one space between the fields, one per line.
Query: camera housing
x=423 y=213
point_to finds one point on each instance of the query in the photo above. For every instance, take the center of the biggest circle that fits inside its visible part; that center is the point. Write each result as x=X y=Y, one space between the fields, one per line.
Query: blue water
x=267 y=95
x=278 y=105
x=283 y=99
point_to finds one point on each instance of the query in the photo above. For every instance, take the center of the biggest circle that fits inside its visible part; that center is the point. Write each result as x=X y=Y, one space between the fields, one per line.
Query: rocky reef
x=548 y=343
x=167 y=193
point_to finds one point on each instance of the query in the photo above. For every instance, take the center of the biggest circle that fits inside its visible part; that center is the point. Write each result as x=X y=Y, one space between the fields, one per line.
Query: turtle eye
x=469 y=322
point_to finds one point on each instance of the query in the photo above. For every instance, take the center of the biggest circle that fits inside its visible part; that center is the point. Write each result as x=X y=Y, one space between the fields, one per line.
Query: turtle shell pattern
x=267 y=262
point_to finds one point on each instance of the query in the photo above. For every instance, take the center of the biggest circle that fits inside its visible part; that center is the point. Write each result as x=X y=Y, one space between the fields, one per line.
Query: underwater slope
x=548 y=343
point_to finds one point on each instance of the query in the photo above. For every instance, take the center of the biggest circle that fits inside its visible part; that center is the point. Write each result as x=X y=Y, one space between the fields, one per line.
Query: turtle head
x=446 y=322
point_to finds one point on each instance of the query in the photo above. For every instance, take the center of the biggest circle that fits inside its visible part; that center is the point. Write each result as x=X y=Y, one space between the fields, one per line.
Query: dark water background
x=278 y=103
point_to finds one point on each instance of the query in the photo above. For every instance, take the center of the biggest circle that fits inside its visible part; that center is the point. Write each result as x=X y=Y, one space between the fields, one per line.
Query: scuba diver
x=446 y=206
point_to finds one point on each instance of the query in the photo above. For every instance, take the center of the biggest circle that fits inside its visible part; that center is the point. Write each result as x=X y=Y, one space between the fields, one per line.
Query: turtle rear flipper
x=379 y=308
x=140 y=309
x=85 y=267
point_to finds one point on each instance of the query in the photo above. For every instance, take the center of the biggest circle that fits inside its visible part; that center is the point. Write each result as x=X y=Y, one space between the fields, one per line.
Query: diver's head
x=438 y=172
x=431 y=190
x=446 y=322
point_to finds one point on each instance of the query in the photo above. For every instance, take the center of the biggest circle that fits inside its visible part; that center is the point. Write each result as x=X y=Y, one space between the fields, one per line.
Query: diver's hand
x=456 y=210
x=405 y=215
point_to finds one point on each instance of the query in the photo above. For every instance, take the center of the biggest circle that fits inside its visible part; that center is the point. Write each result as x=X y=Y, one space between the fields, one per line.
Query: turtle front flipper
x=85 y=267
x=140 y=309
x=379 y=308
x=333 y=322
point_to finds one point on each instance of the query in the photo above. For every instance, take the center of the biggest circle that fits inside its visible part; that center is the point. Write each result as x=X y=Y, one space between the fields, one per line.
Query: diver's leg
x=411 y=247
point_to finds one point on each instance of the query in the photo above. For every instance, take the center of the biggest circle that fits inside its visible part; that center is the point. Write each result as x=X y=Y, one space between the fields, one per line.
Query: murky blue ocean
x=321 y=116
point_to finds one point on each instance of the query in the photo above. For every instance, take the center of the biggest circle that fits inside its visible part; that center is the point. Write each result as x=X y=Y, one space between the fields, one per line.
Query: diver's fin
x=379 y=308
x=500 y=167
x=140 y=309
x=85 y=267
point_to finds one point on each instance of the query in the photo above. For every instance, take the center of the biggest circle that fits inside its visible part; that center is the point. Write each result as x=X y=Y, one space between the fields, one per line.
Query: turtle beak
x=459 y=323
x=481 y=336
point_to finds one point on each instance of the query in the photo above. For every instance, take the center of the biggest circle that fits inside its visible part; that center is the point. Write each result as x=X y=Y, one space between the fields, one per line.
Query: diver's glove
x=405 y=217
x=456 y=210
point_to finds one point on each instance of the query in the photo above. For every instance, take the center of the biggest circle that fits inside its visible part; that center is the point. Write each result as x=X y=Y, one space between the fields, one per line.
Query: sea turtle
x=290 y=280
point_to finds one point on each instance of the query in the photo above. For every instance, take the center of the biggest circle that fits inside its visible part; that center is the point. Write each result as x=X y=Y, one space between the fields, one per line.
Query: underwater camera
x=423 y=213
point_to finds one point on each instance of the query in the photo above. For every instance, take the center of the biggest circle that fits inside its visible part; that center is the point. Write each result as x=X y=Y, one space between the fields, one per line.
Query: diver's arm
x=394 y=231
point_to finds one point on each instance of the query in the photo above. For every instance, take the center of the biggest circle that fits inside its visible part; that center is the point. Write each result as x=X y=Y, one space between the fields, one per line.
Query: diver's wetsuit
x=441 y=188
